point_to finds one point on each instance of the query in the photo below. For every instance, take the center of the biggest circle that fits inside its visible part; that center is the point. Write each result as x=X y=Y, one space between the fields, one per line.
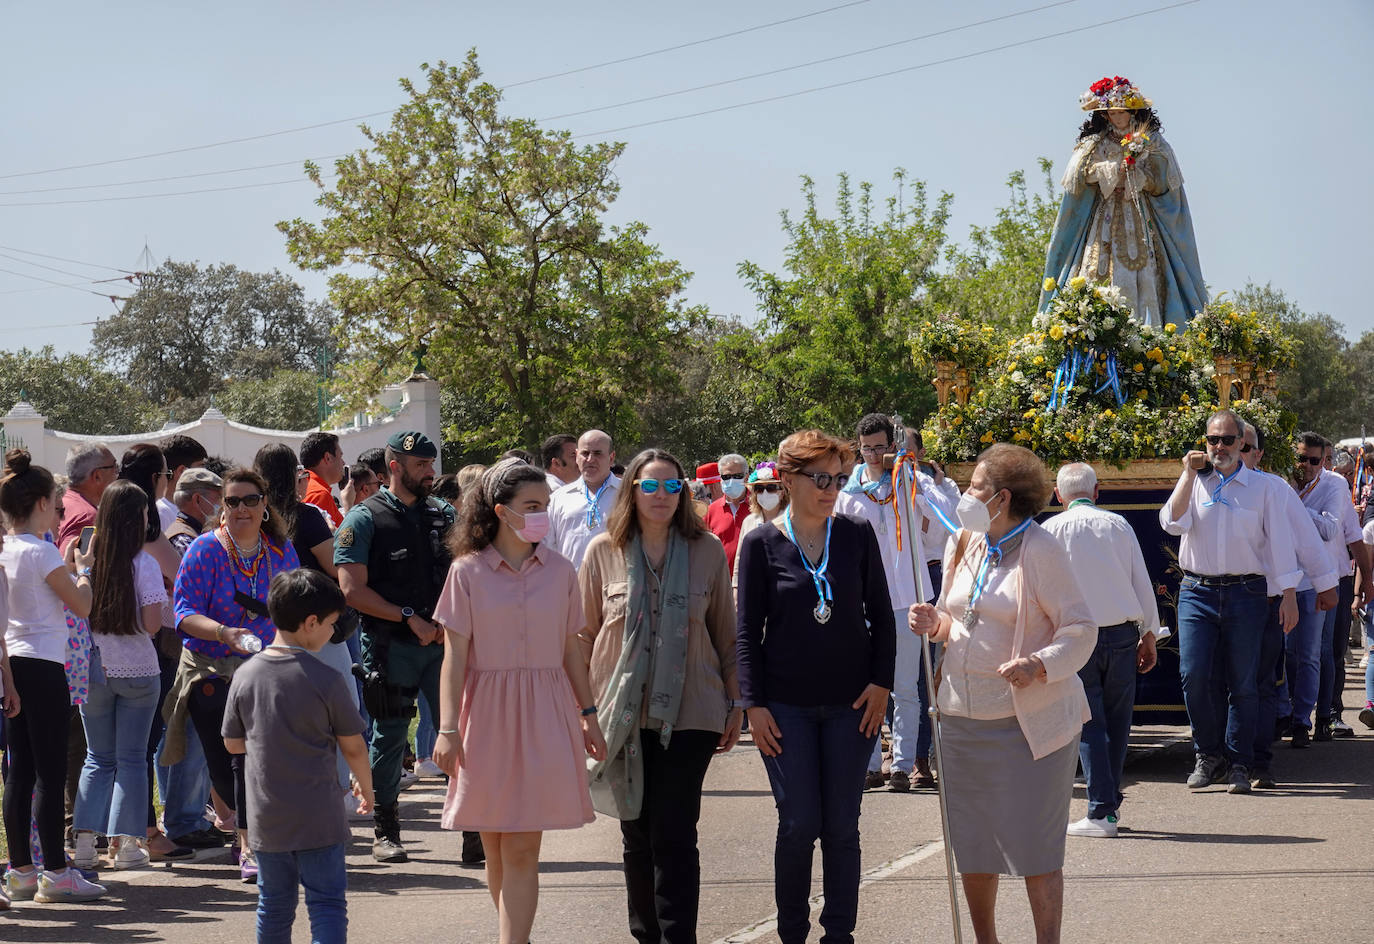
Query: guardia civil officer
x=392 y=560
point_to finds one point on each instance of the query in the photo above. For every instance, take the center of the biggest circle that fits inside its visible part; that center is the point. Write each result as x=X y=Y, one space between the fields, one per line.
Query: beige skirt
x=1007 y=811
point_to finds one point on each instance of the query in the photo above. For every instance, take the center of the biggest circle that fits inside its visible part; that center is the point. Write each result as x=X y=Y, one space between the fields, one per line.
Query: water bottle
x=250 y=643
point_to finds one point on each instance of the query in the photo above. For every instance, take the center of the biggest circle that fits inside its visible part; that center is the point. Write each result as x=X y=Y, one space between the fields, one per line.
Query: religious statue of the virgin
x=1124 y=219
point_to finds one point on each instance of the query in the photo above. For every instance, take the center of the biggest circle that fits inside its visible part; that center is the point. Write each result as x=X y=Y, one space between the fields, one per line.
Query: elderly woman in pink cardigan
x=1016 y=631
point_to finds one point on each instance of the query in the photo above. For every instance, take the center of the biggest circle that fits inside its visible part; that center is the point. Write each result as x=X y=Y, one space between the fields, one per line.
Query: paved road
x=1292 y=864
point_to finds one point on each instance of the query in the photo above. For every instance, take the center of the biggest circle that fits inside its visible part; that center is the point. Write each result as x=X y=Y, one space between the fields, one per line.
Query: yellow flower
x=1142 y=394
x=1050 y=285
x=1155 y=354
x=1057 y=332
x=1037 y=360
x=1183 y=397
x=986 y=437
x=1139 y=368
x=956 y=421
x=1028 y=415
x=1170 y=328
x=1074 y=437
x=1077 y=282
x=1107 y=414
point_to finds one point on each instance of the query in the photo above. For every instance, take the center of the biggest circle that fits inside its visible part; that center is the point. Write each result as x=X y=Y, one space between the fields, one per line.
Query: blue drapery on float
x=1077 y=362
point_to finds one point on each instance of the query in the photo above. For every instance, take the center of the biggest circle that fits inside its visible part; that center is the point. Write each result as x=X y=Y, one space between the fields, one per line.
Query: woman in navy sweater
x=816 y=646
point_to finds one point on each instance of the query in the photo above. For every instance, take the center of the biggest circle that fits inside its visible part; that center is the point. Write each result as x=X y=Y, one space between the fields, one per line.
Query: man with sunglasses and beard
x=1308 y=649
x=1315 y=562
x=1235 y=548
x=393 y=557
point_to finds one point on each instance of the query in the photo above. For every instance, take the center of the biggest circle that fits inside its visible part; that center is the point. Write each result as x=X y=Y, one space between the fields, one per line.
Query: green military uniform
x=404 y=549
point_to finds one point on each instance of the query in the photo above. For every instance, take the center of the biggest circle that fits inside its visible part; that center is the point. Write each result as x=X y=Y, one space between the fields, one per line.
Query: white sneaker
x=131 y=855
x=66 y=886
x=85 y=855
x=408 y=779
x=1094 y=828
x=428 y=770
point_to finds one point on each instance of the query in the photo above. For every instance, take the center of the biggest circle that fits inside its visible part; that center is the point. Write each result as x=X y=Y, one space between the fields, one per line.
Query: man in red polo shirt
x=728 y=512
x=322 y=457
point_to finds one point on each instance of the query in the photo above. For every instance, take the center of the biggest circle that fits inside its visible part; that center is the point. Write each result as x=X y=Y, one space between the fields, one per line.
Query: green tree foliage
x=995 y=278
x=75 y=393
x=481 y=237
x=1327 y=385
x=288 y=399
x=188 y=333
x=837 y=324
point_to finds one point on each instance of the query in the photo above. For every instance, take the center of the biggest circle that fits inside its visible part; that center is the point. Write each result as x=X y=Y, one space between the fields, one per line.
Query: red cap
x=708 y=474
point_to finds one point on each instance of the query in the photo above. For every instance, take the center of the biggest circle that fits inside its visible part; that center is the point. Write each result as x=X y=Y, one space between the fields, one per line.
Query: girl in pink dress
x=510 y=736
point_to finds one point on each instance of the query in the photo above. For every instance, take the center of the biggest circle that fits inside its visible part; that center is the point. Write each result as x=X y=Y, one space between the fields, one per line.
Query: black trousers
x=662 y=864
x=206 y=706
x=36 y=746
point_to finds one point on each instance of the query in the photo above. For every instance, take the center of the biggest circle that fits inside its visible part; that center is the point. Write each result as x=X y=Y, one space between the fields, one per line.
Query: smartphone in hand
x=83 y=544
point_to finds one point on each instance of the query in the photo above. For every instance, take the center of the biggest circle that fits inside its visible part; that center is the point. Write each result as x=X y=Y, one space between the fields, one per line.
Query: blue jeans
x=336 y=656
x=909 y=720
x=1221 y=627
x=1268 y=681
x=184 y=786
x=321 y=872
x=818 y=784
x=1369 y=649
x=425 y=735
x=1302 y=656
x=1109 y=682
x=112 y=796
x=1328 y=695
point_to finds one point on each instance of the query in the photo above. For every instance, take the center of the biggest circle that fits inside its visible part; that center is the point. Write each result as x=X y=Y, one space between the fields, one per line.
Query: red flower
x=1120 y=81
x=1101 y=86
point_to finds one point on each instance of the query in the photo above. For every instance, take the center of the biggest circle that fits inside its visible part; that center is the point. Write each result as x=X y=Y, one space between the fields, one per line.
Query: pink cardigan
x=1053 y=623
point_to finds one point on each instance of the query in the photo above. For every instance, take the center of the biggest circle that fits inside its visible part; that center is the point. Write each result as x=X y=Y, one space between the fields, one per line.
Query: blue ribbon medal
x=817 y=571
x=979 y=584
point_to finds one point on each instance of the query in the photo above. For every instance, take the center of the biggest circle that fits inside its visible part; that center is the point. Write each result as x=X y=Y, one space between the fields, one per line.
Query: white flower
x=1157 y=369
x=1092 y=335
x=1134 y=343
x=1018 y=377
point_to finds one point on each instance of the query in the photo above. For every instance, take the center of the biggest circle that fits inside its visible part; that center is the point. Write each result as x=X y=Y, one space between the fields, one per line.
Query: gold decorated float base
x=1142 y=473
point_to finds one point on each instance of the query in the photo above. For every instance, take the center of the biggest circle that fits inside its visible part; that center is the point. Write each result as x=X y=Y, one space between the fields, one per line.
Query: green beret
x=411 y=442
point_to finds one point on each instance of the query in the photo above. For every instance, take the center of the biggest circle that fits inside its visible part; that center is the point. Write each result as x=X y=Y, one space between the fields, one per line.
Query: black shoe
x=208 y=838
x=386 y=827
x=1339 y=729
x=473 y=852
x=1282 y=727
x=1299 y=736
x=1262 y=779
x=1208 y=770
x=1323 y=731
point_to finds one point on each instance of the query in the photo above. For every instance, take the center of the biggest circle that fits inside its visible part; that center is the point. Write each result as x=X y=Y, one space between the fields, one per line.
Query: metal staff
x=904 y=478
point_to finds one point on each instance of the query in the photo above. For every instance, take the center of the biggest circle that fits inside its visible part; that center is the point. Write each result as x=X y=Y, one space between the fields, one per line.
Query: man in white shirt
x=1110 y=568
x=1315 y=563
x=870 y=495
x=559 y=455
x=578 y=511
x=1309 y=647
x=942 y=499
x=1234 y=535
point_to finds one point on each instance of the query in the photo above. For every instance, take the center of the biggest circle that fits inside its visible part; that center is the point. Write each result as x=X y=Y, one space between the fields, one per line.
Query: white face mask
x=973 y=514
x=734 y=489
x=768 y=500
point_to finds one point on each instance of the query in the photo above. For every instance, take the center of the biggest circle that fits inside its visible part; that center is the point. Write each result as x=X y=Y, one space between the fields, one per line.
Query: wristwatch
x=406 y=613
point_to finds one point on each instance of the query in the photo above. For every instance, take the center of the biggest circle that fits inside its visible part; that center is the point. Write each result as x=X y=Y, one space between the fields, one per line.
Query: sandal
x=162 y=849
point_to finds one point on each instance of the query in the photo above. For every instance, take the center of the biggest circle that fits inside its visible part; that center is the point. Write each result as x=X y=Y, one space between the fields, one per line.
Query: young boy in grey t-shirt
x=289 y=712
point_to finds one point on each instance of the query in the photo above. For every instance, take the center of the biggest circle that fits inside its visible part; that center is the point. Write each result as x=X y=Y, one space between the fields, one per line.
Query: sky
x=1262 y=101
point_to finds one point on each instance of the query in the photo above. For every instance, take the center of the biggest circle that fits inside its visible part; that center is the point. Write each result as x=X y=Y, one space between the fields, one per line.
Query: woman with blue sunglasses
x=660 y=637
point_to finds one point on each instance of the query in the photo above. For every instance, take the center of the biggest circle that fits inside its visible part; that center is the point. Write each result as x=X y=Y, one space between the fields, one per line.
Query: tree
x=1323 y=387
x=74 y=393
x=837 y=326
x=288 y=399
x=480 y=237
x=188 y=333
x=996 y=278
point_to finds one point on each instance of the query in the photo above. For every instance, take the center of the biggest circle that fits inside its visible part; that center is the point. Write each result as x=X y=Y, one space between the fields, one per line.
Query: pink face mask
x=535 y=528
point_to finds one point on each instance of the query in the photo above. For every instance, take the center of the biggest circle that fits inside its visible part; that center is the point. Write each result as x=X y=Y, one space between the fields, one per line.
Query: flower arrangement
x=1134 y=145
x=1157 y=408
x=1223 y=330
x=952 y=337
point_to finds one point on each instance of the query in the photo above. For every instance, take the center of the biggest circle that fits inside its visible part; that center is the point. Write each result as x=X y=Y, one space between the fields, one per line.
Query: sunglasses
x=767 y=488
x=247 y=501
x=1227 y=440
x=1310 y=460
x=731 y=476
x=649 y=486
x=1247 y=448
x=824 y=480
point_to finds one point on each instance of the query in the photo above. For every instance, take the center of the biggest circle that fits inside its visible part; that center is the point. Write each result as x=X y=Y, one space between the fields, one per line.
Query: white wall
x=413 y=405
